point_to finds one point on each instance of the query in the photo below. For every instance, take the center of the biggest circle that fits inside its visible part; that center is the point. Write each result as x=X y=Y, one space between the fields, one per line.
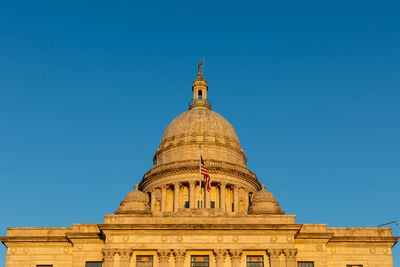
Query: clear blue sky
x=88 y=87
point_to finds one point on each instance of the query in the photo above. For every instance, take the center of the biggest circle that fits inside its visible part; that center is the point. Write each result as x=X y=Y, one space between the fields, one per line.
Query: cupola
x=200 y=89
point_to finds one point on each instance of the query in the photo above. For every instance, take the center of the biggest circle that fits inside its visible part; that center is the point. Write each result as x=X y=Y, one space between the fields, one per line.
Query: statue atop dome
x=199 y=67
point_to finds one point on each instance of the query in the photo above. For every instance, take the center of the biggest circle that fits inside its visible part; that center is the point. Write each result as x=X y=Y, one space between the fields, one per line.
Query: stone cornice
x=331 y=240
x=46 y=239
x=34 y=238
x=358 y=240
x=84 y=237
x=364 y=239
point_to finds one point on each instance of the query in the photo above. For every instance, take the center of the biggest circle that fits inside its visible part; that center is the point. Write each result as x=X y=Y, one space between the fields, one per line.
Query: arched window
x=200 y=94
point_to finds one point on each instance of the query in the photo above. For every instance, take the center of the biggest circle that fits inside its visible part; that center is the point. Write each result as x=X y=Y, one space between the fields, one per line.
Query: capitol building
x=173 y=219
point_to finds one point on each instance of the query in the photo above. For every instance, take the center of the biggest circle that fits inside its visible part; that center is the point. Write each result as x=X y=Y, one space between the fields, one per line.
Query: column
x=235 y=199
x=108 y=255
x=222 y=190
x=237 y=257
x=208 y=198
x=220 y=257
x=274 y=257
x=163 y=257
x=201 y=197
x=179 y=255
x=163 y=197
x=153 y=199
x=192 y=201
x=177 y=187
x=125 y=257
x=246 y=200
x=290 y=254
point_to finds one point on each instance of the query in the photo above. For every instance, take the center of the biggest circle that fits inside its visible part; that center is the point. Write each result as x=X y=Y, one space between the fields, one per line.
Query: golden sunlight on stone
x=170 y=219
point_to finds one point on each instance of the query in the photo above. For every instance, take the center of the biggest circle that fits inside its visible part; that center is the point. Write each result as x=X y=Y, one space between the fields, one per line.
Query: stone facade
x=172 y=219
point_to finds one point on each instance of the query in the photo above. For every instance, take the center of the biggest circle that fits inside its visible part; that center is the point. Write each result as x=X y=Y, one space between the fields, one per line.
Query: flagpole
x=199 y=203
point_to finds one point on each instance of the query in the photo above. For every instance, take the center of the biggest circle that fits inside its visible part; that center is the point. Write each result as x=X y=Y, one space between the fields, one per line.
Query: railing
x=199 y=103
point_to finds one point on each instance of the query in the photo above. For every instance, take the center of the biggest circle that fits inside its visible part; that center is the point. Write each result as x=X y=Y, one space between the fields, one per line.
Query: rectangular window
x=213 y=204
x=199 y=261
x=352 y=265
x=255 y=261
x=305 y=264
x=93 y=264
x=44 y=265
x=187 y=204
x=144 y=261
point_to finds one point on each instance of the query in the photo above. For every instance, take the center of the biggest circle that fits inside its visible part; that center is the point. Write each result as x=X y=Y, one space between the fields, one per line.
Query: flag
x=204 y=172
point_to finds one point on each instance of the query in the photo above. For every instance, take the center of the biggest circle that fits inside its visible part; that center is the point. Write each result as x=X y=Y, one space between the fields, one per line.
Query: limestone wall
x=173 y=240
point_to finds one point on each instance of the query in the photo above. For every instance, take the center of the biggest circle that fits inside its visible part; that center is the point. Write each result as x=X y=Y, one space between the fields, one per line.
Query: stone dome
x=200 y=128
x=136 y=196
x=135 y=202
x=200 y=121
x=264 y=196
x=265 y=203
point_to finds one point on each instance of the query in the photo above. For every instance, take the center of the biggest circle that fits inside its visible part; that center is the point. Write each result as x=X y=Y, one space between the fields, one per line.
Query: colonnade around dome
x=177 y=196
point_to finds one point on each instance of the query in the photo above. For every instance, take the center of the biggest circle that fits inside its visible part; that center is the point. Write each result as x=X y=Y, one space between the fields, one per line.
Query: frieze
x=183 y=167
x=37 y=244
x=218 y=233
x=24 y=248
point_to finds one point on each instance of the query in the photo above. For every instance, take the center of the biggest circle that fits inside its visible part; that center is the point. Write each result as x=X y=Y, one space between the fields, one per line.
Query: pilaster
x=236 y=255
x=220 y=255
x=108 y=255
x=274 y=257
x=290 y=255
x=163 y=257
x=179 y=255
x=125 y=257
